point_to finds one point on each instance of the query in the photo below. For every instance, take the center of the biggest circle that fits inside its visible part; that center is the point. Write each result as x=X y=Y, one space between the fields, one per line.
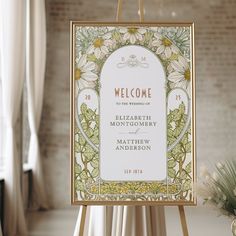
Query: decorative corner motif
x=133 y=61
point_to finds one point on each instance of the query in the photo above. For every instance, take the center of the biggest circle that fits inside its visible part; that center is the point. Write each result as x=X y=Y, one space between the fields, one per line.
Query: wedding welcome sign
x=132 y=113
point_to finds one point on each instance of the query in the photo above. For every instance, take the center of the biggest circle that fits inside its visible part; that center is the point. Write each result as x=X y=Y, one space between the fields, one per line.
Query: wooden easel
x=180 y=207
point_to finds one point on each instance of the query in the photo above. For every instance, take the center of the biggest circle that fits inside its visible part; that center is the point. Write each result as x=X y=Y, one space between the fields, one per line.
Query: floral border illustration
x=93 y=45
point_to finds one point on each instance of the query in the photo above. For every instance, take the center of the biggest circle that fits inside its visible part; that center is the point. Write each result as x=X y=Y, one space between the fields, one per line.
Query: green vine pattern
x=179 y=159
x=89 y=187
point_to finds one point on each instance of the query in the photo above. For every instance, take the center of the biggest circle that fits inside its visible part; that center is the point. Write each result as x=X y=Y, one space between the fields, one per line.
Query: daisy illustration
x=100 y=46
x=181 y=74
x=164 y=45
x=84 y=74
x=133 y=34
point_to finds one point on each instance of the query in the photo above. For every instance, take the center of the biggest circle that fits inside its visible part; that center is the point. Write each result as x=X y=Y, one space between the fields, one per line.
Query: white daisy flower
x=164 y=45
x=100 y=46
x=84 y=75
x=181 y=75
x=133 y=34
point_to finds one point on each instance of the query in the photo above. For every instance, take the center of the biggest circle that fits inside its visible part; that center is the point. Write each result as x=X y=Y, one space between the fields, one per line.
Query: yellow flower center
x=98 y=43
x=166 y=42
x=187 y=74
x=133 y=30
x=78 y=74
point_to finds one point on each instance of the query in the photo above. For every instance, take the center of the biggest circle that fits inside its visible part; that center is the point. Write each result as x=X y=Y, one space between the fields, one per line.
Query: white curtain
x=124 y=221
x=12 y=44
x=35 y=67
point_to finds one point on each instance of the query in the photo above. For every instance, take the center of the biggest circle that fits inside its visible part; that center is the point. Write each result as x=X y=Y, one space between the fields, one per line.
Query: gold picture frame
x=74 y=200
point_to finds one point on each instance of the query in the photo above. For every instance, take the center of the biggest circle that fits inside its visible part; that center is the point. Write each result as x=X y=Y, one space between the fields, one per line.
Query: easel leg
x=82 y=223
x=183 y=220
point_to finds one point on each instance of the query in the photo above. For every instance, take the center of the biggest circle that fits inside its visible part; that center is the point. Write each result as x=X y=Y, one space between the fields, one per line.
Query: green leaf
x=182 y=108
x=169 y=155
x=171 y=140
x=185 y=139
x=188 y=147
x=95 y=140
x=83 y=175
x=81 y=140
x=79 y=186
x=180 y=156
x=188 y=167
x=183 y=175
x=83 y=108
x=95 y=163
x=178 y=129
x=77 y=147
x=116 y=36
x=96 y=131
x=91 y=57
x=84 y=125
x=78 y=169
x=187 y=185
x=97 y=119
x=88 y=155
x=171 y=164
x=177 y=150
x=89 y=152
x=88 y=148
x=169 y=118
x=148 y=36
x=89 y=132
x=176 y=115
x=170 y=133
x=77 y=131
x=171 y=172
x=81 y=117
x=95 y=172
x=89 y=114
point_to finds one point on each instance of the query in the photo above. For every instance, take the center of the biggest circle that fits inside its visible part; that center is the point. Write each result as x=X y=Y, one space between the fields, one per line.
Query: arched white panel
x=133 y=116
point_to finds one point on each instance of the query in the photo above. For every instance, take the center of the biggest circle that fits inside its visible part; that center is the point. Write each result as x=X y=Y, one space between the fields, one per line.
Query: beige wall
x=215 y=65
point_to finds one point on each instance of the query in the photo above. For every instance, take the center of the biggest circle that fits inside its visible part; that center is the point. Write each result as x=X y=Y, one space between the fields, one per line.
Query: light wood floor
x=59 y=222
x=201 y=222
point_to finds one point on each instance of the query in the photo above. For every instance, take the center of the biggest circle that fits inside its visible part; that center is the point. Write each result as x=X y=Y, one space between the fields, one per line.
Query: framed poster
x=132 y=113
